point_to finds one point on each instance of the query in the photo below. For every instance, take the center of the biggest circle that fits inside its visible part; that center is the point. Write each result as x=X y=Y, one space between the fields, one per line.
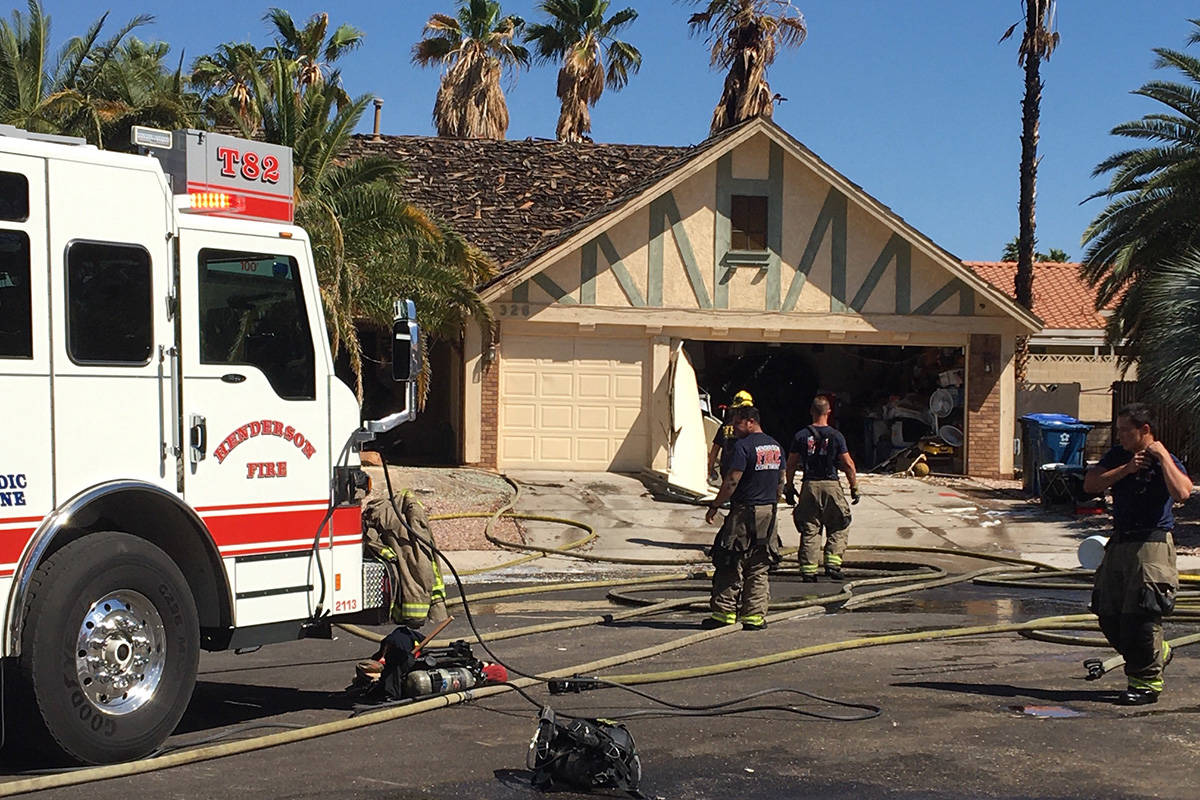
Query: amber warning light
x=213 y=201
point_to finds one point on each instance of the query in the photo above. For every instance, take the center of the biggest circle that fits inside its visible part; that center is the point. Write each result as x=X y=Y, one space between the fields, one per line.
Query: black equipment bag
x=585 y=754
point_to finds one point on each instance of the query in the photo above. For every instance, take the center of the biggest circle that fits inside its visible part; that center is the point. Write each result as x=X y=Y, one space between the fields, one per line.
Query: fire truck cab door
x=255 y=414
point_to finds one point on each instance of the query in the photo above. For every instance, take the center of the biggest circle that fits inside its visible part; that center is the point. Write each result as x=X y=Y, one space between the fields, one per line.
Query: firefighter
x=1137 y=580
x=722 y=443
x=747 y=544
x=820 y=451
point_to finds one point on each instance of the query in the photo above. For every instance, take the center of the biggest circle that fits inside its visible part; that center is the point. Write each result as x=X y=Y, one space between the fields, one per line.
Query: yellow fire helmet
x=742 y=398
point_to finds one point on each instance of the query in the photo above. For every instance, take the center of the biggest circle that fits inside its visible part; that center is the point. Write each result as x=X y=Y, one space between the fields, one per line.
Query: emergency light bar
x=254 y=177
x=141 y=136
x=211 y=201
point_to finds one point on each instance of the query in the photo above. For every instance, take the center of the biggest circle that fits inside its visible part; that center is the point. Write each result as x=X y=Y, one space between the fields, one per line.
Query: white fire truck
x=177 y=456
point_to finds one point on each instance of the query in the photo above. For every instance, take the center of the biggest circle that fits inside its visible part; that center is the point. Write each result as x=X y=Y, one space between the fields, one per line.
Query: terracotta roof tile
x=1060 y=297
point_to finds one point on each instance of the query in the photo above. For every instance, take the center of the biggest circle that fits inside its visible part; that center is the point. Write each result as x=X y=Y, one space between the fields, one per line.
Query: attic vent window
x=748 y=223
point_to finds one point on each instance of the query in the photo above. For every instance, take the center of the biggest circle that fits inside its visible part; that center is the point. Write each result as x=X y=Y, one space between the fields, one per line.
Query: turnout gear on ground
x=398 y=671
x=404 y=544
x=587 y=754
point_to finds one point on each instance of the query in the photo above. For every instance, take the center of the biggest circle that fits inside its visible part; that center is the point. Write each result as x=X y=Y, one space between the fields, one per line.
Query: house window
x=748 y=223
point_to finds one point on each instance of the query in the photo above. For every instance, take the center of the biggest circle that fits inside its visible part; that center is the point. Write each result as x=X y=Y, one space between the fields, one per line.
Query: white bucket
x=1091 y=551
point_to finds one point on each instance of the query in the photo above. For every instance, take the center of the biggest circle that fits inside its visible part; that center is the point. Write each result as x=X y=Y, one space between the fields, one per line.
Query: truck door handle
x=198 y=438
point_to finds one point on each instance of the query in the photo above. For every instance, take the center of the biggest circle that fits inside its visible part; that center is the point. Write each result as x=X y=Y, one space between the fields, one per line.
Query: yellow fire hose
x=801 y=608
x=25 y=785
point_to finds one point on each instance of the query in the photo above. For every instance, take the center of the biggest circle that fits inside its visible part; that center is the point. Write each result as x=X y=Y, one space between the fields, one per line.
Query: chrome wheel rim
x=121 y=652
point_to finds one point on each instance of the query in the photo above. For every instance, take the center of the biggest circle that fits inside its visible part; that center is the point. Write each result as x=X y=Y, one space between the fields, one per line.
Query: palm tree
x=312 y=48
x=227 y=77
x=1037 y=44
x=1168 y=360
x=63 y=97
x=1056 y=254
x=583 y=40
x=745 y=35
x=137 y=78
x=1153 y=214
x=477 y=47
x=369 y=244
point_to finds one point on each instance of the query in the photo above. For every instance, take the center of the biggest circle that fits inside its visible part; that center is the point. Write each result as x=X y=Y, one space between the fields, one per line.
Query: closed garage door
x=572 y=403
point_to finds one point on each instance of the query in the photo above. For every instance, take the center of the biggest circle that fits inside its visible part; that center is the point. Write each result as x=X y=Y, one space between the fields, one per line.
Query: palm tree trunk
x=1030 y=114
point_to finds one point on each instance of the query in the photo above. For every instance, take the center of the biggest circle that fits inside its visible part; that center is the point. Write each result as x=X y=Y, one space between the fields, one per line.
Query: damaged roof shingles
x=509 y=197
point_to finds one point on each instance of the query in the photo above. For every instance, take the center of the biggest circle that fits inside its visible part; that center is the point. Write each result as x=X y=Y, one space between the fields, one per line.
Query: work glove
x=789 y=494
x=854 y=495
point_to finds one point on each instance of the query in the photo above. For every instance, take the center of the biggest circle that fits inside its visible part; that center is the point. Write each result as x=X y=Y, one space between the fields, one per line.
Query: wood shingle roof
x=508 y=196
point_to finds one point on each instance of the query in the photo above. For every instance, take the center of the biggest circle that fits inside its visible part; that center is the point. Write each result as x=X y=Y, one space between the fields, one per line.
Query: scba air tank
x=435 y=681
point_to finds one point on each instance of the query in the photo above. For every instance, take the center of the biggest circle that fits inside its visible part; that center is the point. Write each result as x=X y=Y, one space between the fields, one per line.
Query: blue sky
x=914 y=100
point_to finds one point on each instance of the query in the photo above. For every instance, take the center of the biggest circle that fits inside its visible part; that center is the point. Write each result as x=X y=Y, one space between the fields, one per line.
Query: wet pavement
x=991 y=716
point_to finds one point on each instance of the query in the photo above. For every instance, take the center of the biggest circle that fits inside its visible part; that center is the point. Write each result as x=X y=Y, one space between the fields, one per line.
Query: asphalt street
x=991 y=716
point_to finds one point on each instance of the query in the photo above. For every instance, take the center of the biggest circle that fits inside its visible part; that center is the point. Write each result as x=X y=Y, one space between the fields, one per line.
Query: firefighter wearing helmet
x=722 y=444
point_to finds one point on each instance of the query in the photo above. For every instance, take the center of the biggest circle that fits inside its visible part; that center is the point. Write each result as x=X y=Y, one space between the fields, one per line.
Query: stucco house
x=744 y=250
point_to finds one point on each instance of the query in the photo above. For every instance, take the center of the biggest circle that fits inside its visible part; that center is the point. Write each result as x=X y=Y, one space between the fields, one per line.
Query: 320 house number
x=514 y=309
x=345 y=605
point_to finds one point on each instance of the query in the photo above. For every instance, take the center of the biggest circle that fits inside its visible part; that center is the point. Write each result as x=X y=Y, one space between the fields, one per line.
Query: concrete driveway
x=632 y=522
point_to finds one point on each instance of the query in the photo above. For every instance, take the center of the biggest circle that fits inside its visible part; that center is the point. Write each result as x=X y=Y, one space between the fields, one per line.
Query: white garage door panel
x=558 y=417
x=585 y=408
x=519 y=414
x=556 y=384
x=522 y=384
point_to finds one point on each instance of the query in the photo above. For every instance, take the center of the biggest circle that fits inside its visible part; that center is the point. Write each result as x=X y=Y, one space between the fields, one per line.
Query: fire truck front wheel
x=109 y=650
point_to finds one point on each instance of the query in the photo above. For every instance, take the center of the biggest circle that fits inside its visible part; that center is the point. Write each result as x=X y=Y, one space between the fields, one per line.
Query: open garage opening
x=893 y=403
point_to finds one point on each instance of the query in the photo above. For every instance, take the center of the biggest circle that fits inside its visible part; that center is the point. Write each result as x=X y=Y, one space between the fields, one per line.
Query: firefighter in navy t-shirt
x=820 y=451
x=723 y=441
x=1136 y=582
x=747 y=544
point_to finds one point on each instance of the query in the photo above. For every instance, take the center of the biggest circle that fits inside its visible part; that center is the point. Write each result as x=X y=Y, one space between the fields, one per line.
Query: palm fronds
x=1153 y=211
x=582 y=40
x=745 y=36
x=477 y=47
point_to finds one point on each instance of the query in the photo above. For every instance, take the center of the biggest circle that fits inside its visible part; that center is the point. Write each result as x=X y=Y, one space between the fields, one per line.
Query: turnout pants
x=743 y=551
x=821 y=503
x=1134 y=589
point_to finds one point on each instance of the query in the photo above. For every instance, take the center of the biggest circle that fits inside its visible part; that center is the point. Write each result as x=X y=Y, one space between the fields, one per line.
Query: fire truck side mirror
x=406 y=343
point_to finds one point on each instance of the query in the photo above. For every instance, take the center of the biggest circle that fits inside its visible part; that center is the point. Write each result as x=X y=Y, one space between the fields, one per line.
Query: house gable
x=831 y=248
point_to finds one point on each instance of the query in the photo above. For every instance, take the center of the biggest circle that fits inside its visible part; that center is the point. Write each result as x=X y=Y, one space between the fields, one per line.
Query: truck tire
x=109 y=650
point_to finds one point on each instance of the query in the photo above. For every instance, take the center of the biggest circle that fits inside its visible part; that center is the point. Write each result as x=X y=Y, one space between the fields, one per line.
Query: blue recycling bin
x=1049 y=439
